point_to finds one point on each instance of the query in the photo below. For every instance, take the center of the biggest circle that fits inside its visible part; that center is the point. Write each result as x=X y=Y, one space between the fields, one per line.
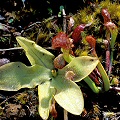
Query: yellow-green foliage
x=113 y=8
x=83 y=16
x=90 y=13
x=22 y=98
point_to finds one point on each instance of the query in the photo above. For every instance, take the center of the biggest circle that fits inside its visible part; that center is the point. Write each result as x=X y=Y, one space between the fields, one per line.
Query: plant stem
x=104 y=76
x=114 y=33
x=107 y=45
x=111 y=61
x=65 y=115
x=64 y=20
x=67 y=56
x=107 y=62
x=15 y=48
x=91 y=84
x=113 y=39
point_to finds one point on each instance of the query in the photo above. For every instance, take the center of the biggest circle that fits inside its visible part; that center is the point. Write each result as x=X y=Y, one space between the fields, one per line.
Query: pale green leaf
x=35 y=53
x=80 y=66
x=45 y=94
x=16 y=75
x=68 y=95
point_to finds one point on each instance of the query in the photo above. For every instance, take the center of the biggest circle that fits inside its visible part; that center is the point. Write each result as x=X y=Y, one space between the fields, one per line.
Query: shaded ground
x=30 y=19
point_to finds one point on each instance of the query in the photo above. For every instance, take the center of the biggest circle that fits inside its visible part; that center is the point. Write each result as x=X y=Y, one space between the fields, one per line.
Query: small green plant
x=58 y=85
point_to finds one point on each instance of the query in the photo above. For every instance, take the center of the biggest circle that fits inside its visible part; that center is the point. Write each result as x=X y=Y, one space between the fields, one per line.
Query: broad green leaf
x=81 y=67
x=35 y=53
x=16 y=75
x=68 y=95
x=45 y=94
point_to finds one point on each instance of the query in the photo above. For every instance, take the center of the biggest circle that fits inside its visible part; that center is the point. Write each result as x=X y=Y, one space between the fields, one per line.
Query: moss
x=93 y=13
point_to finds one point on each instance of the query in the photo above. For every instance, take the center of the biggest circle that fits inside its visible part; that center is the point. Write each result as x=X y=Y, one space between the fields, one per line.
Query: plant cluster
x=57 y=77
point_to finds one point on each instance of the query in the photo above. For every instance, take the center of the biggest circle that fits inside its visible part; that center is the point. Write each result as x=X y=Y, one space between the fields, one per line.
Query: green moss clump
x=93 y=13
